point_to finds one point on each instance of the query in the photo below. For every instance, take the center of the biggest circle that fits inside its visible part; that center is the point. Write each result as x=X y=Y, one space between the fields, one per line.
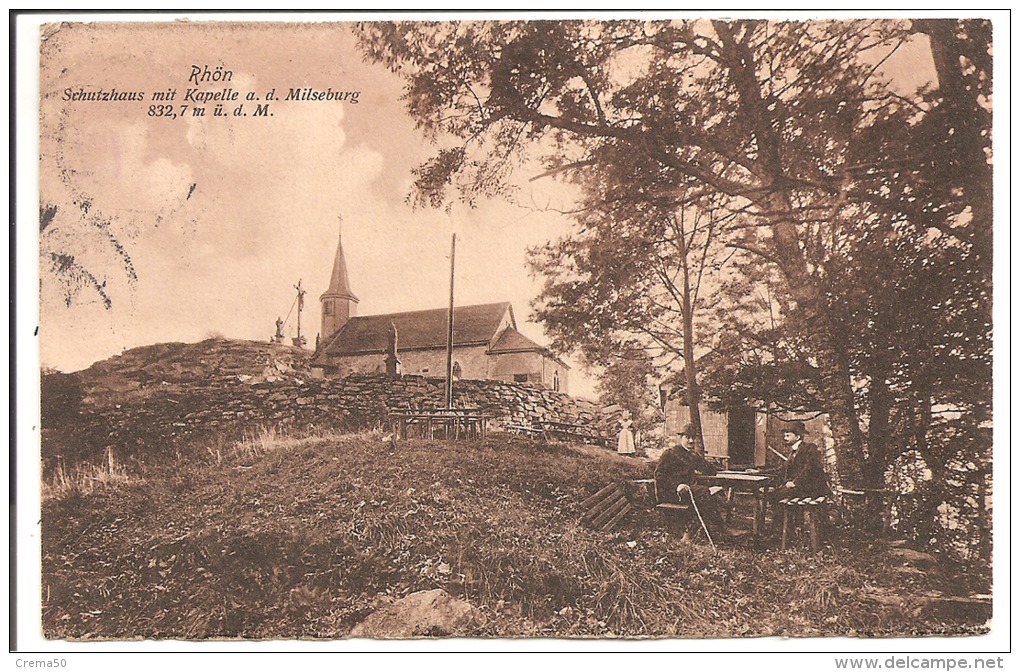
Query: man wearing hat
x=803 y=474
x=680 y=465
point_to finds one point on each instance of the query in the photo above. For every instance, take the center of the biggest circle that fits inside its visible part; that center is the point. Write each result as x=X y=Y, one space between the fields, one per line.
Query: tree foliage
x=821 y=168
x=68 y=243
x=627 y=284
x=629 y=382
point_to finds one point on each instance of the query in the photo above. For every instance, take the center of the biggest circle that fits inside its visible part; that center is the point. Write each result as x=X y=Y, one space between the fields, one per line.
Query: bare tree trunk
x=966 y=122
x=690 y=374
x=690 y=367
x=837 y=394
x=832 y=363
x=879 y=454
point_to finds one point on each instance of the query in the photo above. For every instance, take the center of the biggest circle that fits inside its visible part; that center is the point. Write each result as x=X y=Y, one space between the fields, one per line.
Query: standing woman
x=625 y=440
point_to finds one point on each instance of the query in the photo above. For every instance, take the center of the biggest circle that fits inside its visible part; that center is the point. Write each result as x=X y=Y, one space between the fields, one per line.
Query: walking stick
x=680 y=488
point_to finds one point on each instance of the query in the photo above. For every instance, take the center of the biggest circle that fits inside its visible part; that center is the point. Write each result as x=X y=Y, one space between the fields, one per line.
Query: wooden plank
x=617 y=518
x=608 y=513
x=604 y=504
x=601 y=496
x=601 y=505
x=714 y=427
x=668 y=506
x=598 y=495
x=522 y=429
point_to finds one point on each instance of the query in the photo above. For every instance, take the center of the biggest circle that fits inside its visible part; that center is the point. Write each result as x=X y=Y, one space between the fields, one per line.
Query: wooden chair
x=673 y=512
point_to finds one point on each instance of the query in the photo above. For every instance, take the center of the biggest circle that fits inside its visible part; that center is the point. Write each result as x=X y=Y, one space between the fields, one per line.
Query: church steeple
x=338 y=302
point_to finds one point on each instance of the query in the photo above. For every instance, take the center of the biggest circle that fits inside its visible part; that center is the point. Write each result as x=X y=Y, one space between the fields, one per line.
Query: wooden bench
x=606 y=508
x=524 y=430
x=814 y=510
x=570 y=431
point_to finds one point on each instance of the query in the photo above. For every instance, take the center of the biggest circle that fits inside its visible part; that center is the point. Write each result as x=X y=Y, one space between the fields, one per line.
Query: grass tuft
x=79 y=480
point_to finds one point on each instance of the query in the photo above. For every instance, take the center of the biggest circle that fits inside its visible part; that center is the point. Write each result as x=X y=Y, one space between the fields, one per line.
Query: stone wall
x=160 y=422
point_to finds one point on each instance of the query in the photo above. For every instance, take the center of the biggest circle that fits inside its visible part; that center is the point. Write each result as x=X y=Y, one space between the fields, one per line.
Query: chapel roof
x=419 y=329
x=512 y=340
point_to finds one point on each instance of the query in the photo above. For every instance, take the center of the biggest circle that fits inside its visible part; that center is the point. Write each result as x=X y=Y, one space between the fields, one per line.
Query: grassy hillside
x=303 y=537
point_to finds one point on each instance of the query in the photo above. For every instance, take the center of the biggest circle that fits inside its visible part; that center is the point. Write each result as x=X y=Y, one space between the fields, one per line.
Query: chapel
x=486 y=342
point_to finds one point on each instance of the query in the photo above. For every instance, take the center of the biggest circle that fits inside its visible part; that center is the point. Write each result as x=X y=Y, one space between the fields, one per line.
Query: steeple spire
x=339 y=282
x=339 y=303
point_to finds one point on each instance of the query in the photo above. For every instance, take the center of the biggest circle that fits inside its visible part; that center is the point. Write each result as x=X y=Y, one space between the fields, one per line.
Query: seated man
x=803 y=474
x=678 y=466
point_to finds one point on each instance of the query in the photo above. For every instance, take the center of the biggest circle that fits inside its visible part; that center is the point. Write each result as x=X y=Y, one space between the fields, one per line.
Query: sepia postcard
x=504 y=332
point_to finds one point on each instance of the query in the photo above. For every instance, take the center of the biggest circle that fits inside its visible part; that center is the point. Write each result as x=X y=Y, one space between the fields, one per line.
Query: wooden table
x=454 y=423
x=752 y=483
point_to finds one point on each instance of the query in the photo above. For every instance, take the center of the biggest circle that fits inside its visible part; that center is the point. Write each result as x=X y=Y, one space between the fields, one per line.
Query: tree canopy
x=817 y=165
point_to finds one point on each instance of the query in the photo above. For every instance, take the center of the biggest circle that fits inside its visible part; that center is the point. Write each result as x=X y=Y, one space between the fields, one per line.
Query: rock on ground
x=429 y=613
x=918 y=559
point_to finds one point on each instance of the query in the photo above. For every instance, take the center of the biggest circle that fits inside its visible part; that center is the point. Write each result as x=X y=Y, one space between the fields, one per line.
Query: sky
x=221 y=216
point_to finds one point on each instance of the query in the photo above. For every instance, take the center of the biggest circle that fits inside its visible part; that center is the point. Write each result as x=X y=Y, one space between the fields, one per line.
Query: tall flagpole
x=449 y=331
